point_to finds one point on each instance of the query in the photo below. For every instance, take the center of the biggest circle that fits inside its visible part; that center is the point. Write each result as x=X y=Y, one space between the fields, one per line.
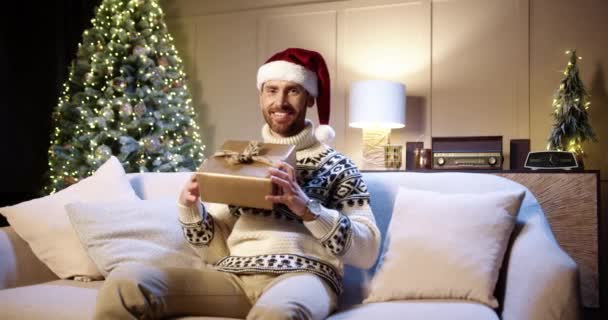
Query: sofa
x=537 y=280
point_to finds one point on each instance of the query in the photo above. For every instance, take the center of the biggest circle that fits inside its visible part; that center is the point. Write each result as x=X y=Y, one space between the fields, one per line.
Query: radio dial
x=440 y=161
x=492 y=161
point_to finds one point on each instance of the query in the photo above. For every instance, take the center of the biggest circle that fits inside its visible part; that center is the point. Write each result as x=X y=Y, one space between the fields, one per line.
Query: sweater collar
x=303 y=140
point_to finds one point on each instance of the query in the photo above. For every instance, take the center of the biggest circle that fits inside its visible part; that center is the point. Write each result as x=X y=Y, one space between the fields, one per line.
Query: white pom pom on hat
x=308 y=69
x=325 y=133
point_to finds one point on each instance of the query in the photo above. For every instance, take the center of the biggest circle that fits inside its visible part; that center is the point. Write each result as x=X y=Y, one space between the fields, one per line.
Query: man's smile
x=282 y=116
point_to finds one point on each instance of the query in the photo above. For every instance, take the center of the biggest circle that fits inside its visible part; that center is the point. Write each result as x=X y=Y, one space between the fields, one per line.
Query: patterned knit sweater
x=247 y=240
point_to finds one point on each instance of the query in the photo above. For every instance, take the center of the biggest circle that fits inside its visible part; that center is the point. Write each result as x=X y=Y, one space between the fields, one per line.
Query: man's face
x=284 y=106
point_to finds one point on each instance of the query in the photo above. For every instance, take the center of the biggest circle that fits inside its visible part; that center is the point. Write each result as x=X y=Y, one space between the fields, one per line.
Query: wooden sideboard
x=571 y=202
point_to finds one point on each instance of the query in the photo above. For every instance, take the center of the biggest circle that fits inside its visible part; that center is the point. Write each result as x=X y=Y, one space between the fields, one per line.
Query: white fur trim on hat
x=288 y=71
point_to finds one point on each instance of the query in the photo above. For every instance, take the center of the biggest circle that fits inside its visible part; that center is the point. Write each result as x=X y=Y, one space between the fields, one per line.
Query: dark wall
x=38 y=40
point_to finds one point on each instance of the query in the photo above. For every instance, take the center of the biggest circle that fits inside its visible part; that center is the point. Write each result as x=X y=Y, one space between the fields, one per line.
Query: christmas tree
x=126 y=95
x=571 y=122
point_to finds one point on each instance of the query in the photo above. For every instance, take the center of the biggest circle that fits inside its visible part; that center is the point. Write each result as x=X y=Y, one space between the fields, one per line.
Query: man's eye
x=294 y=91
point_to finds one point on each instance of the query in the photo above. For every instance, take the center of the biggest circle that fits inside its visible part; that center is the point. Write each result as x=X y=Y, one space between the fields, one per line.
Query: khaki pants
x=138 y=291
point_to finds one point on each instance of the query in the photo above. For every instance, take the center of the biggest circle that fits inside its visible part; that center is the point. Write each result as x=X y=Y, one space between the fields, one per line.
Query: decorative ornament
x=69 y=180
x=101 y=122
x=108 y=113
x=119 y=83
x=148 y=121
x=177 y=158
x=103 y=153
x=142 y=162
x=92 y=122
x=151 y=143
x=126 y=109
x=88 y=77
x=157 y=114
x=132 y=35
x=179 y=140
x=163 y=61
x=129 y=145
x=139 y=50
x=140 y=108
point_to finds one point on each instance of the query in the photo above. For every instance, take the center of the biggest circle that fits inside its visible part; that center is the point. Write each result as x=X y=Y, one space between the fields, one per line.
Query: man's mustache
x=283 y=108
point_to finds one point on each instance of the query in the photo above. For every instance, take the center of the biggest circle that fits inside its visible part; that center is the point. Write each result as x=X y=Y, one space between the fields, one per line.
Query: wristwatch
x=313 y=209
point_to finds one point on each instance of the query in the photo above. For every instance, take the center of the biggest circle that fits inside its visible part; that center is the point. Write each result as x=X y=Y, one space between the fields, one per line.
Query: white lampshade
x=377 y=103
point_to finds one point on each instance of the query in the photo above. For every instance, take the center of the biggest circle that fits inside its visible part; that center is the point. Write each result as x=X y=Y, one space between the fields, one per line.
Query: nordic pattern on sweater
x=318 y=176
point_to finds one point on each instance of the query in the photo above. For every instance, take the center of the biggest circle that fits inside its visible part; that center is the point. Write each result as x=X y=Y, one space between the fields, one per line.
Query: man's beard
x=285 y=129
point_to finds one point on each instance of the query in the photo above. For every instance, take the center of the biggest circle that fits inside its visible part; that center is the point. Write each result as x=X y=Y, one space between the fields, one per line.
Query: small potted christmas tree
x=571 y=126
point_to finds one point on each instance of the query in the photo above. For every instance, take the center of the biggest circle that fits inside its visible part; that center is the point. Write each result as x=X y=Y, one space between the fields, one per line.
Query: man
x=263 y=264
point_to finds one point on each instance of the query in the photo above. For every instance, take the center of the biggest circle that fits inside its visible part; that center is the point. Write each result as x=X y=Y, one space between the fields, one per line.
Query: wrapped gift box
x=222 y=180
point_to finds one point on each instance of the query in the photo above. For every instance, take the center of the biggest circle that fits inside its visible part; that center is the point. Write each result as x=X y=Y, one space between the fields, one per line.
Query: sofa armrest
x=18 y=264
x=541 y=280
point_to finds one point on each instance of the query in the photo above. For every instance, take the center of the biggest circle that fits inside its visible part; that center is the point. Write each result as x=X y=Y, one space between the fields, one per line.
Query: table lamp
x=377 y=106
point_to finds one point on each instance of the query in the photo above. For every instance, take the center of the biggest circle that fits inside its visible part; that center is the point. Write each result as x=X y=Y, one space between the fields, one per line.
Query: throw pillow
x=445 y=246
x=44 y=224
x=142 y=231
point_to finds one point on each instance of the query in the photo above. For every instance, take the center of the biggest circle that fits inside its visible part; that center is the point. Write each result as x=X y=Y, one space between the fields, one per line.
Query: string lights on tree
x=571 y=127
x=126 y=95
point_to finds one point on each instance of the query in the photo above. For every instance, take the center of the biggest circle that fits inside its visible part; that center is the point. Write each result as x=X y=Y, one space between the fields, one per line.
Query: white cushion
x=445 y=246
x=418 y=309
x=158 y=185
x=142 y=231
x=44 y=224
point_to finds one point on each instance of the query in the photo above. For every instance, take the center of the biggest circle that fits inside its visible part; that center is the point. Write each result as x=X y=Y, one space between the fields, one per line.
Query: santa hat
x=308 y=69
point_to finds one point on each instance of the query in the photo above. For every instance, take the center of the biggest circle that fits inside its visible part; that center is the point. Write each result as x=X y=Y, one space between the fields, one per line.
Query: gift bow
x=249 y=155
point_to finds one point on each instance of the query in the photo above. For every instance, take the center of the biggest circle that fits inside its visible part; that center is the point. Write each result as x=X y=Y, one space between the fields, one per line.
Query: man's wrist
x=312 y=210
x=309 y=215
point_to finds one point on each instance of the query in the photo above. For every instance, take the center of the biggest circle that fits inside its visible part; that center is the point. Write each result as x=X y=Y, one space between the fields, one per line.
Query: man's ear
x=260 y=95
x=310 y=101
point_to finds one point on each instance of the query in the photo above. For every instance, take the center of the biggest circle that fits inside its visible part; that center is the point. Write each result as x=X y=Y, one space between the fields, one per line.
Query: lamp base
x=374 y=140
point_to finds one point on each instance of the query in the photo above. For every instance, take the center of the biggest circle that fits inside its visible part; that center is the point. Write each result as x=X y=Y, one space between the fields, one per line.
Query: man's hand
x=190 y=193
x=284 y=175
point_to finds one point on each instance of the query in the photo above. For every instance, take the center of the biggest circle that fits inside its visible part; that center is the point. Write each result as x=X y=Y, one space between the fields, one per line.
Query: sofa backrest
x=383 y=187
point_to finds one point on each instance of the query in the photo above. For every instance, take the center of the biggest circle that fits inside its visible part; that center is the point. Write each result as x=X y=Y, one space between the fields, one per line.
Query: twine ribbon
x=249 y=155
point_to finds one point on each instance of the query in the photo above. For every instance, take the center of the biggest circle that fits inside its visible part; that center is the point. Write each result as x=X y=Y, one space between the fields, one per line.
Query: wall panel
x=388 y=42
x=480 y=67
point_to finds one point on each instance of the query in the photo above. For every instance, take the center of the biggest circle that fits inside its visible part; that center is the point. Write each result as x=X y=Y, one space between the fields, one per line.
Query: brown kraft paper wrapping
x=242 y=184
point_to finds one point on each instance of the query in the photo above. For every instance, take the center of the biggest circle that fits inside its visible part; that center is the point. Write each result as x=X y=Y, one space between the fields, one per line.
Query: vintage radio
x=467 y=153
